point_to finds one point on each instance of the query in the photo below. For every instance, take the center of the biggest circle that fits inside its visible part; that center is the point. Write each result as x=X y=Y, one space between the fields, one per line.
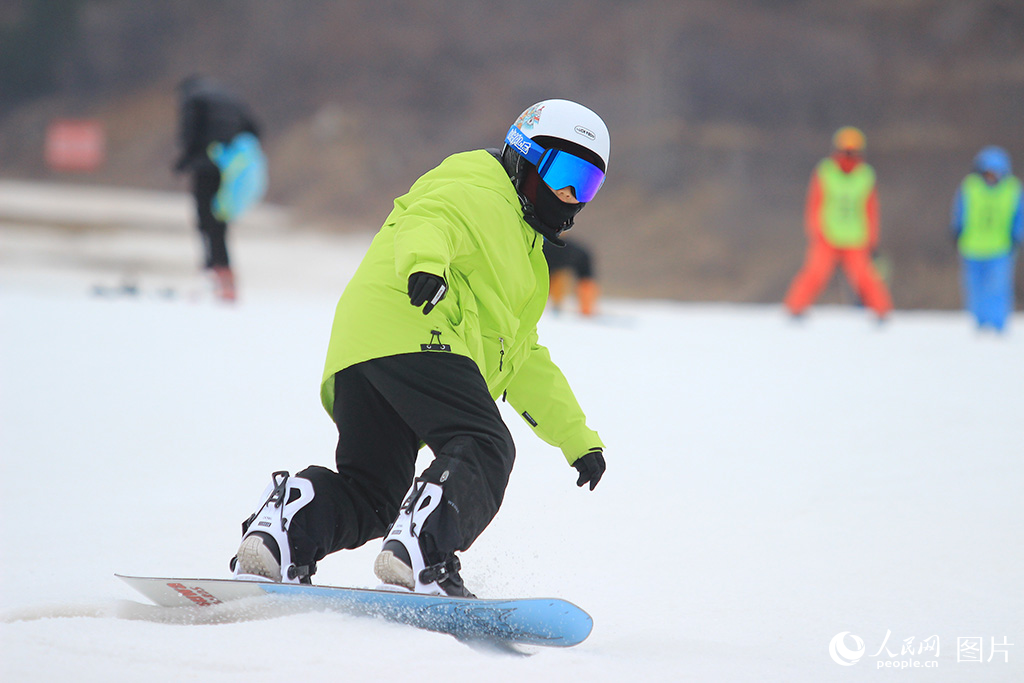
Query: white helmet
x=563 y=125
x=567 y=121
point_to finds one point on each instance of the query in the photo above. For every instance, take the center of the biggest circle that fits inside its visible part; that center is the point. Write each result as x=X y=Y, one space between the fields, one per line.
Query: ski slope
x=771 y=484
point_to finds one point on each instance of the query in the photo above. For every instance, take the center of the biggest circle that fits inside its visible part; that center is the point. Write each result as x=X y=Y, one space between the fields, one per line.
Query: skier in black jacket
x=210 y=113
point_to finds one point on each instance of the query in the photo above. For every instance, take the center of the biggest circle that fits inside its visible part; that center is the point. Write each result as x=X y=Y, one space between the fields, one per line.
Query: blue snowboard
x=527 y=621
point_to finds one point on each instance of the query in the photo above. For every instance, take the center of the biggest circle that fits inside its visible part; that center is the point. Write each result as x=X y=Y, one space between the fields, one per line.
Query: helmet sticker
x=530 y=117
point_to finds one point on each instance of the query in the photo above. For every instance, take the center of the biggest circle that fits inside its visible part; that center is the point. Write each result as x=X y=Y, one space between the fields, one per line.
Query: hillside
x=718 y=111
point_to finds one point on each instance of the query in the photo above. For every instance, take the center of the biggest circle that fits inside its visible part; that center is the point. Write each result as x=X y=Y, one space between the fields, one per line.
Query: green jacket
x=844 y=219
x=462 y=221
x=987 y=217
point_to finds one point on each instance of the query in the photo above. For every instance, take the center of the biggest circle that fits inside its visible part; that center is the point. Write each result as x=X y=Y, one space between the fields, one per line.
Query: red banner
x=75 y=145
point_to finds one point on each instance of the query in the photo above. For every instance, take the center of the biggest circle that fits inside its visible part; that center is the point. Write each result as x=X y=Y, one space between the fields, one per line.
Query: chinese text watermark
x=847 y=649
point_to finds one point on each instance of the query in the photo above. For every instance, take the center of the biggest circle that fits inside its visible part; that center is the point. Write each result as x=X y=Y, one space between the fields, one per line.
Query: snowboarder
x=568 y=262
x=210 y=113
x=438 y=322
x=988 y=224
x=841 y=221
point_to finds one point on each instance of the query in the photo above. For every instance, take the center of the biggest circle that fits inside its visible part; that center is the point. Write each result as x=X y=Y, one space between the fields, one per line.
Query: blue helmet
x=994 y=160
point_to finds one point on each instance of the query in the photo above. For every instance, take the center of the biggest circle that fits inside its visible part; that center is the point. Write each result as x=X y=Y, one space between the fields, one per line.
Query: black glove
x=426 y=287
x=591 y=467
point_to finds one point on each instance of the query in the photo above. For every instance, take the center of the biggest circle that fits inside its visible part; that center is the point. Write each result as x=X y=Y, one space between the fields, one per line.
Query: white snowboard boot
x=265 y=553
x=401 y=561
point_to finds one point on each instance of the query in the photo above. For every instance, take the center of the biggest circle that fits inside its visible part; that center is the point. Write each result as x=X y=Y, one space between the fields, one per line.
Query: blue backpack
x=243 y=175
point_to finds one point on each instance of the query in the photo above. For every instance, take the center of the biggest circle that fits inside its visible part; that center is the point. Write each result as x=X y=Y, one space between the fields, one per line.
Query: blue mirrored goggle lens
x=557 y=168
x=560 y=169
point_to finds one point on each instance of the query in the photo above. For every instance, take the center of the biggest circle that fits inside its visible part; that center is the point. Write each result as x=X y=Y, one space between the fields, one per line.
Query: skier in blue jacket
x=988 y=224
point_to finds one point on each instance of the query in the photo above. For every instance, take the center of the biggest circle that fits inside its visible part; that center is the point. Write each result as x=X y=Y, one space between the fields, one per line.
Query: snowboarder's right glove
x=591 y=466
x=428 y=288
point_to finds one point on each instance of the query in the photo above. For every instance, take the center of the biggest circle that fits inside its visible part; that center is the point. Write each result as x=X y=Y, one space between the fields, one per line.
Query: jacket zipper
x=501 y=357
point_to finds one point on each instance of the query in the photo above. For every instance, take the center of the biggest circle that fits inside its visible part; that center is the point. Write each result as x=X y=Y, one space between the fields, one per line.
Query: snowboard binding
x=402 y=560
x=265 y=553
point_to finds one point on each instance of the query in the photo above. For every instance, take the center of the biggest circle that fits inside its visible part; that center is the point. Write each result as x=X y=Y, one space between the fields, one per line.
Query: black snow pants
x=205 y=183
x=384 y=410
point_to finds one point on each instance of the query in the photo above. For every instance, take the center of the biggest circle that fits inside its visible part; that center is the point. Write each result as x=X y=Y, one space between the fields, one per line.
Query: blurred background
x=718 y=111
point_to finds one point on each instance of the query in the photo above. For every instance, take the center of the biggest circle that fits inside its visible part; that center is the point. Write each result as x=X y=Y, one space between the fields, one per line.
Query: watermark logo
x=847 y=649
x=843 y=655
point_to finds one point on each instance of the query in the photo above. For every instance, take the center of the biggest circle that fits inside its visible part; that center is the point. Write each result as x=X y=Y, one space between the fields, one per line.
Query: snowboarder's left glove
x=591 y=466
x=426 y=288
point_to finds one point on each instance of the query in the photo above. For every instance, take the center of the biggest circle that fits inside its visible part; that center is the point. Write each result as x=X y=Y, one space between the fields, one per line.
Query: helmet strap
x=543 y=210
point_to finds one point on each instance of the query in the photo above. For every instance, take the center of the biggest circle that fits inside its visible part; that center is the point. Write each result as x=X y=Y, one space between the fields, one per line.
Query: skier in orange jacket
x=841 y=220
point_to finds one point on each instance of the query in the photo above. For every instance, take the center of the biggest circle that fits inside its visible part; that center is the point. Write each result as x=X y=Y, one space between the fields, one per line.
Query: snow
x=771 y=484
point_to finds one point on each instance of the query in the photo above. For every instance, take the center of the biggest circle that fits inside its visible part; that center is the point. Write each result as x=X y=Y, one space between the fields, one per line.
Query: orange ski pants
x=817 y=270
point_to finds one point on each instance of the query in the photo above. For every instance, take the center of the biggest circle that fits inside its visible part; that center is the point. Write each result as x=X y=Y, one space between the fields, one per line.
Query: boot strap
x=447 y=570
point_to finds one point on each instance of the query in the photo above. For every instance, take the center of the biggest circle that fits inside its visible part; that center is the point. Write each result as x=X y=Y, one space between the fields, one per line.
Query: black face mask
x=547 y=214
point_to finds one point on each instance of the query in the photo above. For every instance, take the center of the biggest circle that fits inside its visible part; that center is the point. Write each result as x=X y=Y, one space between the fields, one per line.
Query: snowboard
x=550 y=622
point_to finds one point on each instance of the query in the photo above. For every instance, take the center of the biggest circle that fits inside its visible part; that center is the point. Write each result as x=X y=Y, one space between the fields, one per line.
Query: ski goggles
x=557 y=168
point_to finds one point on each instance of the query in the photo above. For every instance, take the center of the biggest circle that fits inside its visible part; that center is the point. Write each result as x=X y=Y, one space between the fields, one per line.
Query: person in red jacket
x=841 y=220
